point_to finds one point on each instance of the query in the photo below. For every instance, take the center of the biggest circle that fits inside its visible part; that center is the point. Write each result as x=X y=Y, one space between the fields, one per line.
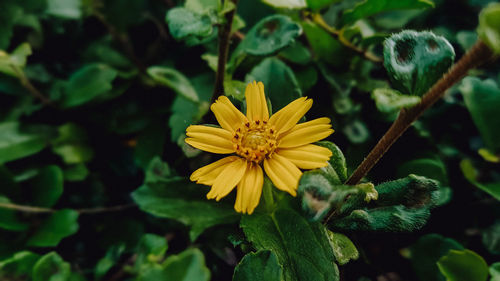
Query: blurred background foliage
x=95 y=97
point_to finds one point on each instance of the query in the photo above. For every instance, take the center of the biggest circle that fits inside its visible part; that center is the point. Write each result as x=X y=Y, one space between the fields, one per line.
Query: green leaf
x=47 y=186
x=20 y=264
x=67 y=9
x=59 y=225
x=186 y=266
x=262 y=265
x=432 y=169
x=151 y=249
x=495 y=271
x=371 y=7
x=427 y=251
x=412 y=191
x=184 y=24
x=296 y=53
x=389 y=100
x=8 y=218
x=71 y=144
x=416 y=60
x=288 y=4
x=88 y=83
x=77 y=172
x=317 y=5
x=182 y=200
x=471 y=174
x=14 y=62
x=482 y=98
x=323 y=45
x=16 y=144
x=10 y=12
x=270 y=35
x=202 y=6
x=302 y=249
x=343 y=248
x=489 y=26
x=463 y=265
x=280 y=84
x=235 y=89
x=174 y=80
x=51 y=267
x=111 y=258
x=491 y=238
x=337 y=162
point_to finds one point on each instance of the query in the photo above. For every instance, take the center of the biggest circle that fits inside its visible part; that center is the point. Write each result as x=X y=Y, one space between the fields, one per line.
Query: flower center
x=255 y=140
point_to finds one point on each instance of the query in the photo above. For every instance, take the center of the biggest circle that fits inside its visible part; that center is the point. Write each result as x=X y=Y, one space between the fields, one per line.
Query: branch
x=477 y=55
x=335 y=33
x=39 y=210
x=224 y=36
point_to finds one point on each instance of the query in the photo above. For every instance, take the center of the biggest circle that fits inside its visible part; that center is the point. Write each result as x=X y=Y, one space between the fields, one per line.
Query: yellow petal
x=283 y=173
x=289 y=115
x=307 y=132
x=308 y=156
x=256 y=102
x=227 y=179
x=215 y=140
x=227 y=115
x=207 y=174
x=249 y=189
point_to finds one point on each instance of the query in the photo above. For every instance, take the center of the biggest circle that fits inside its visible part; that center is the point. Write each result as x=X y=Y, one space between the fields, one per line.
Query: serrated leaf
x=16 y=144
x=302 y=249
x=482 y=98
x=463 y=265
x=59 y=225
x=371 y=7
x=88 y=83
x=182 y=200
x=389 y=100
x=489 y=26
x=174 y=80
x=343 y=248
x=262 y=265
x=416 y=60
x=337 y=160
x=270 y=35
x=281 y=86
x=427 y=251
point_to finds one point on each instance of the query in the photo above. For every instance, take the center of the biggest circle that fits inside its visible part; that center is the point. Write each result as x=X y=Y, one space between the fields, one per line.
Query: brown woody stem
x=224 y=36
x=476 y=56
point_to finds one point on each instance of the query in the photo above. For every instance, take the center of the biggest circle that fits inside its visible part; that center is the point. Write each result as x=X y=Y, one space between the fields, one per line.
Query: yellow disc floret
x=255 y=140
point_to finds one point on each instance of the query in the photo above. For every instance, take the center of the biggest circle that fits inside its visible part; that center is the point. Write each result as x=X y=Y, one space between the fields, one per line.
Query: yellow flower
x=278 y=142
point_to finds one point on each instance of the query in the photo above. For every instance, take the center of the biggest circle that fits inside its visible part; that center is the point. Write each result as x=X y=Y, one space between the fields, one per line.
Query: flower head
x=275 y=142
